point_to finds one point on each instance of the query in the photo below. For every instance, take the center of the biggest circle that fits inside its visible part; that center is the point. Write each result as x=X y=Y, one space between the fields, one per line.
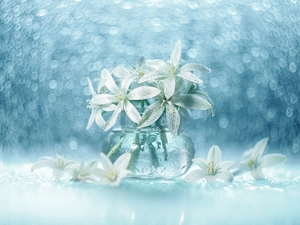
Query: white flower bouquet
x=152 y=92
x=154 y=85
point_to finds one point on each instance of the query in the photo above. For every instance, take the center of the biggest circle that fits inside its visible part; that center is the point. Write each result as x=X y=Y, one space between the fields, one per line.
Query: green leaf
x=191 y=101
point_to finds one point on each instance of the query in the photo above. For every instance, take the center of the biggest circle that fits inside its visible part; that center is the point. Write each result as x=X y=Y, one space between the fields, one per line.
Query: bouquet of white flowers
x=149 y=94
x=155 y=86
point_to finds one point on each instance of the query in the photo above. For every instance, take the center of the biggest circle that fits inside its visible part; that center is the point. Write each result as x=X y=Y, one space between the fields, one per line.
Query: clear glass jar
x=155 y=154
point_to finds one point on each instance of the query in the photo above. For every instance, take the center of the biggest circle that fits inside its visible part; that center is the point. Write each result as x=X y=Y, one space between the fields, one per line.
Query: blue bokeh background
x=48 y=48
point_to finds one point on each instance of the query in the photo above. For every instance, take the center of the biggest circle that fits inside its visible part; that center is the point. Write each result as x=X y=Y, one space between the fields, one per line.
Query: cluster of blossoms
x=109 y=173
x=156 y=86
x=210 y=169
x=252 y=161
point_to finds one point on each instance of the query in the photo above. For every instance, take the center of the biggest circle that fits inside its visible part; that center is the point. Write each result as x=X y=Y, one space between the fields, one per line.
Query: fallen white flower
x=253 y=161
x=211 y=168
x=112 y=173
x=58 y=164
x=81 y=172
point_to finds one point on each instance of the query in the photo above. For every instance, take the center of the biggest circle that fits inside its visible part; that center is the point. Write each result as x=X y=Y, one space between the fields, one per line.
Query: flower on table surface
x=112 y=173
x=121 y=97
x=81 y=171
x=211 y=168
x=168 y=72
x=59 y=165
x=254 y=162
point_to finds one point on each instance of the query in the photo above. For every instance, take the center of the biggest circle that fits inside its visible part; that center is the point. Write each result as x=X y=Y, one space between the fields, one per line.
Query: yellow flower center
x=119 y=97
x=112 y=176
x=60 y=162
x=251 y=163
x=212 y=168
x=140 y=75
x=172 y=71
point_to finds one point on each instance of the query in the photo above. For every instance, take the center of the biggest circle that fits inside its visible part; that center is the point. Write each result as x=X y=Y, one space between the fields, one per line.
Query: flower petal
x=259 y=148
x=91 y=87
x=57 y=174
x=122 y=162
x=120 y=72
x=123 y=173
x=214 y=155
x=210 y=178
x=176 y=54
x=100 y=85
x=140 y=63
x=103 y=99
x=40 y=164
x=107 y=165
x=109 y=107
x=257 y=174
x=190 y=77
x=169 y=87
x=157 y=64
x=151 y=114
x=112 y=120
x=99 y=119
x=109 y=81
x=92 y=118
x=194 y=175
x=126 y=83
x=192 y=66
x=143 y=92
x=154 y=75
x=225 y=175
x=98 y=172
x=132 y=112
x=191 y=101
x=201 y=163
x=271 y=160
x=173 y=119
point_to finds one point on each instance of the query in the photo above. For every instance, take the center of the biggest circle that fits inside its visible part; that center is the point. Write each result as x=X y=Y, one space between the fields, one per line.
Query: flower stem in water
x=135 y=152
x=116 y=147
x=152 y=149
x=164 y=141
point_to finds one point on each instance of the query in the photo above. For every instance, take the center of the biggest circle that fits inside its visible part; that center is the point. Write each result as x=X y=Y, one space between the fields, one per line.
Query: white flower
x=171 y=70
x=139 y=71
x=112 y=173
x=97 y=109
x=81 y=172
x=58 y=164
x=211 y=168
x=156 y=109
x=253 y=160
x=122 y=97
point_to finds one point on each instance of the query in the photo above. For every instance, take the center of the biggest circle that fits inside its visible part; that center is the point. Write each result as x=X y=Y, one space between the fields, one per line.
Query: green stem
x=164 y=141
x=154 y=158
x=116 y=146
x=135 y=152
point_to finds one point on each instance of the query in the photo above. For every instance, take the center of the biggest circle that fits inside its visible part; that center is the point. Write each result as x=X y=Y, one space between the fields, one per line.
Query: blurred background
x=48 y=48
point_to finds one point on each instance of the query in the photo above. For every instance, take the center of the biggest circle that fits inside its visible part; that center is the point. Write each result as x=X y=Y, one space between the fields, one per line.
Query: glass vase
x=155 y=154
